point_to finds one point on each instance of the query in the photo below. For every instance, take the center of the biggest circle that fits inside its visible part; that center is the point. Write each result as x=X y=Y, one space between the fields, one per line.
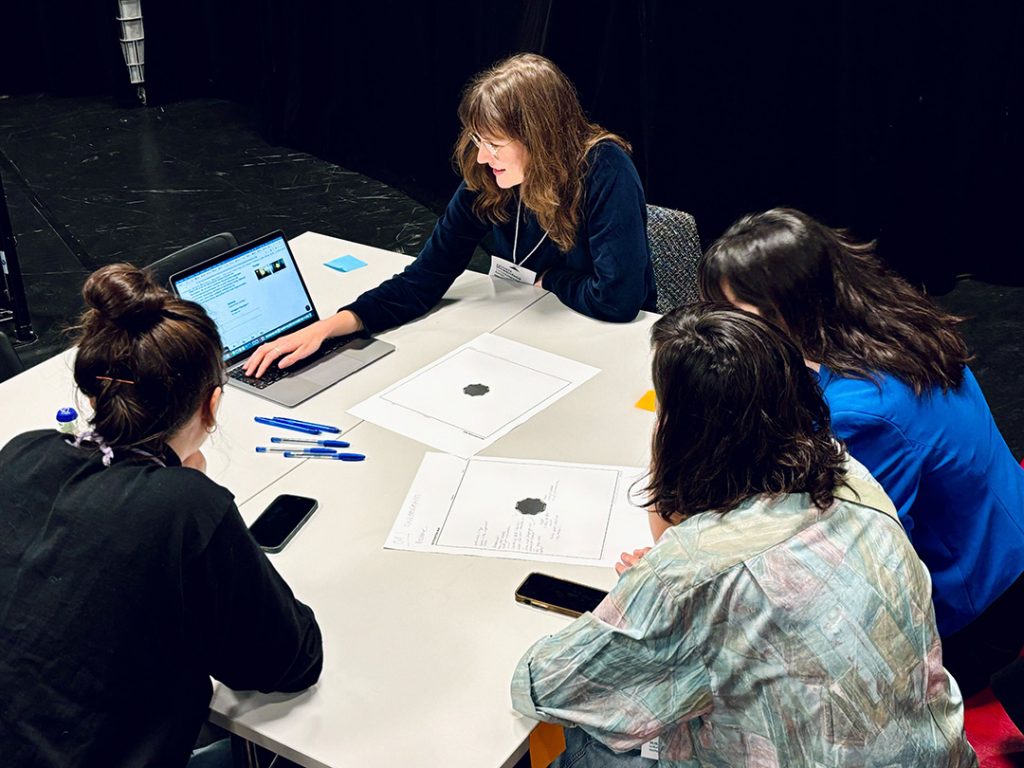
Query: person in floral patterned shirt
x=782 y=617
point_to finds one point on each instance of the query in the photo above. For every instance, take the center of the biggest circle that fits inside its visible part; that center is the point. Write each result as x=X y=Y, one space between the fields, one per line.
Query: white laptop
x=255 y=294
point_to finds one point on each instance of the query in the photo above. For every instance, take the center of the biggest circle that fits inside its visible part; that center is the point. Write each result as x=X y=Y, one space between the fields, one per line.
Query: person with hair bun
x=557 y=193
x=782 y=617
x=893 y=368
x=127 y=577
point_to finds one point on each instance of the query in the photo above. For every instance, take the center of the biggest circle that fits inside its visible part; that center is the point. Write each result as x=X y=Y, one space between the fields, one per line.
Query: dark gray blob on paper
x=530 y=506
x=476 y=390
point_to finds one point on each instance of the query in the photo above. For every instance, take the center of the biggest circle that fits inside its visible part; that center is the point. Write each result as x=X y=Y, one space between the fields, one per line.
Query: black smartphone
x=280 y=520
x=558 y=595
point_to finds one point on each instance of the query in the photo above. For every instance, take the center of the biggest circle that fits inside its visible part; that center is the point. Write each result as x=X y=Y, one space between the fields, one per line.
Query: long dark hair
x=841 y=305
x=527 y=98
x=739 y=414
x=148 y=360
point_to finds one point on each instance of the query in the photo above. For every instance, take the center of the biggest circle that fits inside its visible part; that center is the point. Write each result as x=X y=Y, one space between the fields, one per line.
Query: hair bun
x=125 y=296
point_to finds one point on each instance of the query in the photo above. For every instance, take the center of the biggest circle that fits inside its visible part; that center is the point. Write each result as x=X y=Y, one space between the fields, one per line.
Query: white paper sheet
x=522 y=509
x=464 y=401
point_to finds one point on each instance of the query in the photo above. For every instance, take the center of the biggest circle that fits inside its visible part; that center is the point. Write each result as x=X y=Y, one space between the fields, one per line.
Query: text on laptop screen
x=251 y=297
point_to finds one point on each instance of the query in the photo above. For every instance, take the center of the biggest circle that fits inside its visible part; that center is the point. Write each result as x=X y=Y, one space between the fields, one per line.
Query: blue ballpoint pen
x=264 y=449
x=335 y=457
x=286 y=425
x=327 y=443
x=310 y=424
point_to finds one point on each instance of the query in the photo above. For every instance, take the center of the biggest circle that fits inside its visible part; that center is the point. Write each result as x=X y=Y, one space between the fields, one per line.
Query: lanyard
x=515 y=242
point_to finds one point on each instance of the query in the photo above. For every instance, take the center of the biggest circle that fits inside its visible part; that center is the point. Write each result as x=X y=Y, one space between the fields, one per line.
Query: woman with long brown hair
x=893 y=368
x=781 y=618
x=558 y=194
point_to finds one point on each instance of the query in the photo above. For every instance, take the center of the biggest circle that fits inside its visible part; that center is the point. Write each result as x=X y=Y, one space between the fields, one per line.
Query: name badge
x=506 y=270
x=650 y=750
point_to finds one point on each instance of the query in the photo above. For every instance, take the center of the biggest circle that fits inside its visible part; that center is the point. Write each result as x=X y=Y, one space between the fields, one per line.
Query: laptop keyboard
x=274 y=373
x=271 y=375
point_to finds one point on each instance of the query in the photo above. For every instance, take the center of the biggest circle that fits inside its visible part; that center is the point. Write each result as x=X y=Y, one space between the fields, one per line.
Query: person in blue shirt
x=558 y=193
x=893 y=368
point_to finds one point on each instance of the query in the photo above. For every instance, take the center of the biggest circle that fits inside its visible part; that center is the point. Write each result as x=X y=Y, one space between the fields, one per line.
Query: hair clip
x=115 y=380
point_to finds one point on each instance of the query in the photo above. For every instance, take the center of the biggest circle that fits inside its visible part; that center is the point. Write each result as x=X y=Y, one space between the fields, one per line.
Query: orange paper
x=647 y=402
x=547 y=741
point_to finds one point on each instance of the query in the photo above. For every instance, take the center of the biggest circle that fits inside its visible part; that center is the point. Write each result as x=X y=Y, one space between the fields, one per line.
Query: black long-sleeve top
x=122 y=590
x=607 y=274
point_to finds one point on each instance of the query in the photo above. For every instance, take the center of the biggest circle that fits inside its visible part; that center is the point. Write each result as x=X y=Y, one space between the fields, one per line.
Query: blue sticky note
x=345 y=263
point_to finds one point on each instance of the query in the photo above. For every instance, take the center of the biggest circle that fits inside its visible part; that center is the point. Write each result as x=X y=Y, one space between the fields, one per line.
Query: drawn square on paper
x=531 y=509
x=476 y=392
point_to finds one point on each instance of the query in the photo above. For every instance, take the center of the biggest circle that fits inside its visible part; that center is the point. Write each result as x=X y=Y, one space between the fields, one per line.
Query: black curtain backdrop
x=901 y=121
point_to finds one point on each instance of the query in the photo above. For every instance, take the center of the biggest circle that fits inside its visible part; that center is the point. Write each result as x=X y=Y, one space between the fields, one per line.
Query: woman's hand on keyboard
x=301 y=344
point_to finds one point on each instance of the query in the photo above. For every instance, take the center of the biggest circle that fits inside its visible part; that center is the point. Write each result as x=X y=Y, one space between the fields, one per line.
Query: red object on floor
x=991 y=732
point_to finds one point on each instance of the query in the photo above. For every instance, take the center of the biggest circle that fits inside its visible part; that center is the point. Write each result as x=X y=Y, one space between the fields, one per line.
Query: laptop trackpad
x=330 y=371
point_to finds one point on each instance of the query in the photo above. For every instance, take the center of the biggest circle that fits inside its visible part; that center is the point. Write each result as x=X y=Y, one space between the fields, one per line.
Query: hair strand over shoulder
x=526 y=98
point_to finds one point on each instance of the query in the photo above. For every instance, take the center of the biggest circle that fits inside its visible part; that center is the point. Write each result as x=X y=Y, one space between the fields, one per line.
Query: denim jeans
x=584 y=751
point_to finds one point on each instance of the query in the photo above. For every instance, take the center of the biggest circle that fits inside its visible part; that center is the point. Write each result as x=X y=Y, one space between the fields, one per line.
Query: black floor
x=90 y=183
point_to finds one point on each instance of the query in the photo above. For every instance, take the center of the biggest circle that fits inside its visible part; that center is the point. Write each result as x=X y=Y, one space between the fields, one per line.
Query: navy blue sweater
x=607 y=274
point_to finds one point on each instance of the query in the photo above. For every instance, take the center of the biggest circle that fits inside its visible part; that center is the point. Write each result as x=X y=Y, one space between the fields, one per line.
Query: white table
x=473 y=305
x=598 y=423
x=419 y=648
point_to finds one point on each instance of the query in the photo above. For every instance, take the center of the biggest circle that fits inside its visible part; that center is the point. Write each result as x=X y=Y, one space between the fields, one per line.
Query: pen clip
x=285 y=425
x=308 y=424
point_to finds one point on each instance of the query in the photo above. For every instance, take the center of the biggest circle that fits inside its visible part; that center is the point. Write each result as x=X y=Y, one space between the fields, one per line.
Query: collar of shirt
x=824 y=375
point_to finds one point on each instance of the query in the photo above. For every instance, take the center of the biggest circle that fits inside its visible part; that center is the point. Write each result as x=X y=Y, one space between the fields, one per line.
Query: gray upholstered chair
x=675 y=253
x=191 y=255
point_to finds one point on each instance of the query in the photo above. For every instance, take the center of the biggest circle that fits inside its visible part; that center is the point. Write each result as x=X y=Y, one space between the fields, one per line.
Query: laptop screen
x=255 y=295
